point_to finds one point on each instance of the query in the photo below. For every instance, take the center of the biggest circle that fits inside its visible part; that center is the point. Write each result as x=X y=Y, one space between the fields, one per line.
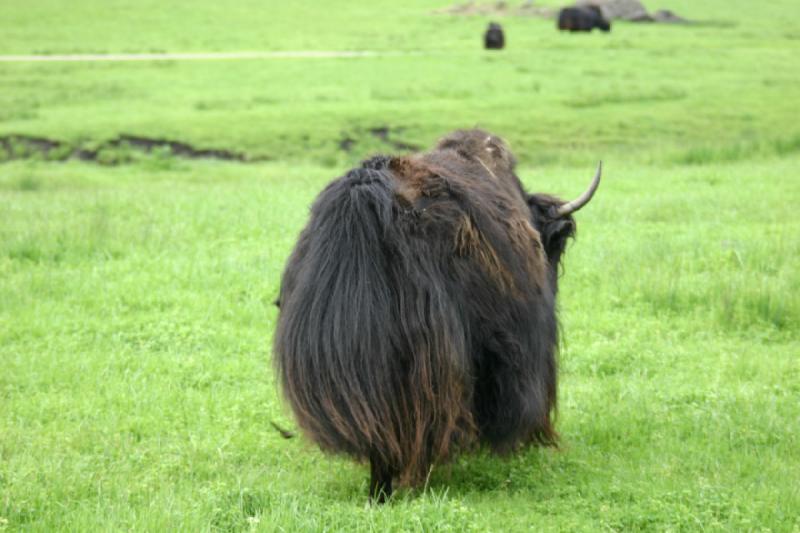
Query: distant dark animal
x=583 y=18
x=494 y=39
x=418 y=310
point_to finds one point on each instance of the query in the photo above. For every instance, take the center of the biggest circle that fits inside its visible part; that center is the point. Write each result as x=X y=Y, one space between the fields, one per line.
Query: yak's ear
x=555 y=237
x=553 y=231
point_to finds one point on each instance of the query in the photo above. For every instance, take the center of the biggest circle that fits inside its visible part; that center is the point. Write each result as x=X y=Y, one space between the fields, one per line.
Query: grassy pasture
x=647 y=93
x=135 y=292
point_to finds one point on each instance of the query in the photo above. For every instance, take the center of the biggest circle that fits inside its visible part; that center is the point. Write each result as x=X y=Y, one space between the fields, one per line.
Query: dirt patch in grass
x=385 y=134
x=631 y=10
x=346 y=143
x=110 y=152
x=526 y=9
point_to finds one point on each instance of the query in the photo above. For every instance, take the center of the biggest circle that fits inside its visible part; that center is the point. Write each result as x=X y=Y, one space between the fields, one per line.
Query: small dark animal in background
x=494 y=39
x=418 y=310
x=584 y=18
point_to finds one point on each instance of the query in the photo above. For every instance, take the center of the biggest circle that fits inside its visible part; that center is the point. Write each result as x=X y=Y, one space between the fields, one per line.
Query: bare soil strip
x=27 y=147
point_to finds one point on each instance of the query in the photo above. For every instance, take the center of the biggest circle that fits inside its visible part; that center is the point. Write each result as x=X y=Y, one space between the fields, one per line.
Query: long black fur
x=417 y=310
x=494 y=38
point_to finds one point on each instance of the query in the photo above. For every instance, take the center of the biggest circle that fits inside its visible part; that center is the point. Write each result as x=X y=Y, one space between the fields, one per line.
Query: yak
x=583 y=18
x=494 y=39
x=417 y=311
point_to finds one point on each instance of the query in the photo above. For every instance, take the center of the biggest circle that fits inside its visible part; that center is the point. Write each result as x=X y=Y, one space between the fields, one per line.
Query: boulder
x=619 y=9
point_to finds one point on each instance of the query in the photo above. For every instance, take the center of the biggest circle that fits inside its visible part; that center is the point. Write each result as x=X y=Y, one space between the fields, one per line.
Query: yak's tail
x=285 y=433
x=370 y=350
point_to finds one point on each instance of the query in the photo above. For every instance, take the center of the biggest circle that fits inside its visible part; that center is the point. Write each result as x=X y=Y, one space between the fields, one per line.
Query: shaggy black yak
x=494 y=39
x=583 y=18
x=417 y=310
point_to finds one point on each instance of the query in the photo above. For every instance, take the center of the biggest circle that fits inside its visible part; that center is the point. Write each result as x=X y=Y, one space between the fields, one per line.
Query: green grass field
x=136 y=388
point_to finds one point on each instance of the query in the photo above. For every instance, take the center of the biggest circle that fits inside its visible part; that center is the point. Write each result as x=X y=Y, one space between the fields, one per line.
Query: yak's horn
x=583 y=199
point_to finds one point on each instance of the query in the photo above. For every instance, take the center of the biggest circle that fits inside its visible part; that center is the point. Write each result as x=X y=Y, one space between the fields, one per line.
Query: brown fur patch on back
x=411 y=177
x=528 y=243
x=470 y=242
x=418 y=178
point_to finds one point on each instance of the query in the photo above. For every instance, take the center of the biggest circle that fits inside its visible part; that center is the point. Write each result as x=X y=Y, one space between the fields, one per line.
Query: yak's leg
x=380 y=483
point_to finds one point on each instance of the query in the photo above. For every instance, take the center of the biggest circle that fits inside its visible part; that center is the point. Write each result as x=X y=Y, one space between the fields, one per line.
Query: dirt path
x=196 y=56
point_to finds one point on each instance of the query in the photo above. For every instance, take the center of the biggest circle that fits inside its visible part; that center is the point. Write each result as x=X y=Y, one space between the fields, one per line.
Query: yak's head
x=552 y=218
x=490 y=151
x=482 y=146
x=600 y=18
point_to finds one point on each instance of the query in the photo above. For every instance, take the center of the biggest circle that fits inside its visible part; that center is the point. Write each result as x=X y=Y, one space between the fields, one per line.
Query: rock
x=619 y=9
x=665 y=15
